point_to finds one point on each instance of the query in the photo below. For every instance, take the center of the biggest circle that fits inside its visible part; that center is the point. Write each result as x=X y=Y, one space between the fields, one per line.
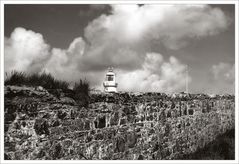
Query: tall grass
x=81 y=93
x=15 y=78
x=45 y=80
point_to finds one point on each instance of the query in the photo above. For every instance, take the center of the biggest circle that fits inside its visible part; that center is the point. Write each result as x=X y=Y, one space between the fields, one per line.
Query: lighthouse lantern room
x=110 y=84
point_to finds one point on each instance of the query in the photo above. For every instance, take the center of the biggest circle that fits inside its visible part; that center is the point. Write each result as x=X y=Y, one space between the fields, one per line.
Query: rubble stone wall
x=40 y=126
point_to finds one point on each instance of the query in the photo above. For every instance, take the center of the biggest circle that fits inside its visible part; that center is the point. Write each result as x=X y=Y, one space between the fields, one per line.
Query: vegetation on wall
x=80 y=92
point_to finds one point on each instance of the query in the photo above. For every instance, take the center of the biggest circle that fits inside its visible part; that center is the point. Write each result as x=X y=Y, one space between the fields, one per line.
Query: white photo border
x=4 y=2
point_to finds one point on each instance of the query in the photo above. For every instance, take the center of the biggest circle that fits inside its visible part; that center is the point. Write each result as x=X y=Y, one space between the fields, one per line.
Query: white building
x=110 y=84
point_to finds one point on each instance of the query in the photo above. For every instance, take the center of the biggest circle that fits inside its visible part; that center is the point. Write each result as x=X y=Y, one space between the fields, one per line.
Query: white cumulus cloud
x=155 y=75
x=169 y=24
x=25 y=49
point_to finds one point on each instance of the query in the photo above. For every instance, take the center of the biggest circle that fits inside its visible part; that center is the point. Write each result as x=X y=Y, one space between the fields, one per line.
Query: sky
x=149 y=46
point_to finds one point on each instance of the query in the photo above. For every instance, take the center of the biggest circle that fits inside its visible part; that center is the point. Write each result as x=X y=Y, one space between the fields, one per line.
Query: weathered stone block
x=123 y=121
x=67 y=143
x=141 y=157
x=151 y=131
x=131 y=139
x=87 y=125
x=55 y=123
x=101 y=122
x=67 y=122
x=130 y=118
x=79 y=123
x=61 y=114
x=99 y=136
x=114 y=120
x=41 y=126
x=56 y=151
x=120 y=144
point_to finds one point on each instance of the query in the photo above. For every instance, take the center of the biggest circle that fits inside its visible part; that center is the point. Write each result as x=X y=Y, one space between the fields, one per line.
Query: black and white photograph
x=114 y=80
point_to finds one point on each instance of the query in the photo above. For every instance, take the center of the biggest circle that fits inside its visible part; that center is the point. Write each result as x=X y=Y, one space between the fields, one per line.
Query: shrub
x=81 y=93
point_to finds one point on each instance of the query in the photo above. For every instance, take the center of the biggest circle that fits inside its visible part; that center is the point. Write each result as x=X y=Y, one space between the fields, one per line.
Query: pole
x=187 y=79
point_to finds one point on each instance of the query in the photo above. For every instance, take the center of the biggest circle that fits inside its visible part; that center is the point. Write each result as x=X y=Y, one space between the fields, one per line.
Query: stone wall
x=123 y=126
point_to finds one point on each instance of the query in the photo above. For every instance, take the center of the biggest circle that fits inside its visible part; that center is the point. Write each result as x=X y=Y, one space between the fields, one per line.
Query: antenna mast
x=187 y=79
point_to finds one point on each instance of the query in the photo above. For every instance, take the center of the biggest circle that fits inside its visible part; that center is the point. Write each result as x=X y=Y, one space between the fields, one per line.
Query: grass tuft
x=45 y=80
x=15 y=78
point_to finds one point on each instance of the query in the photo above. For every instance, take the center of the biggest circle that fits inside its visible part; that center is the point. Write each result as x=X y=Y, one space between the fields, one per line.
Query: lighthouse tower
x=110 y=84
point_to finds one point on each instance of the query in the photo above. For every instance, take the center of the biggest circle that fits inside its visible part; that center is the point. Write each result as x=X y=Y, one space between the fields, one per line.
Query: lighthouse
x=110 y=84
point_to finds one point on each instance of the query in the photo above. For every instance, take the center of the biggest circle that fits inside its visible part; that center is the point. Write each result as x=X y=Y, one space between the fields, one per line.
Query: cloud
x=224 y=77
x=25 y=49
x=224 y=72
x=169 y=24
x=156 y=75
x=64 y=63
x=121 y=39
